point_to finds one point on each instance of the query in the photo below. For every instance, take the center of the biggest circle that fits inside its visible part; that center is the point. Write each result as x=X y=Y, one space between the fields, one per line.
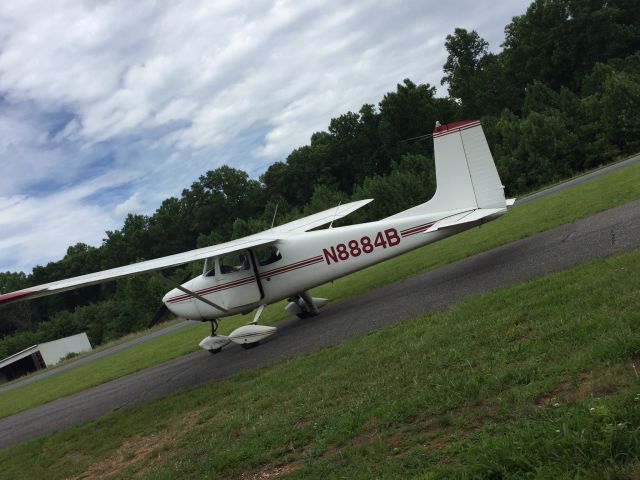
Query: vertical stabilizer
x=466 y=176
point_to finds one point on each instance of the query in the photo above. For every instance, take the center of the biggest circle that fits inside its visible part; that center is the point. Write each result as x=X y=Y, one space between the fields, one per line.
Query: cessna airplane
x=286 y=261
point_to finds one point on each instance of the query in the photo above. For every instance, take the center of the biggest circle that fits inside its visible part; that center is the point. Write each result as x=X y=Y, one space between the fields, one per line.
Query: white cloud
x=37 y=230
x=130 y=205
x=158 y=93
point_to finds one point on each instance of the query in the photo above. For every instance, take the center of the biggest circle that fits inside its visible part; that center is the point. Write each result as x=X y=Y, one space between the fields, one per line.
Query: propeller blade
x=161 y=312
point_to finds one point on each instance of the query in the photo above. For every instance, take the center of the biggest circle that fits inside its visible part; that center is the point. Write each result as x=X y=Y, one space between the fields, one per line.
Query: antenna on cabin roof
x=273 y=220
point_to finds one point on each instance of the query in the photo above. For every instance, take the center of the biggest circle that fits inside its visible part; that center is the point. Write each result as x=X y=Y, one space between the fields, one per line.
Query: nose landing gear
x=247 y=336
x=214 y=343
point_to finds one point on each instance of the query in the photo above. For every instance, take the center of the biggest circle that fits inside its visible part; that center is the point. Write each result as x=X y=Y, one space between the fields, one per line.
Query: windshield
x=209 y=267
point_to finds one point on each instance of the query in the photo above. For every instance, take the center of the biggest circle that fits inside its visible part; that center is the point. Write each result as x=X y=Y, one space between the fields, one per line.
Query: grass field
x=568 y=205
x=536 y=380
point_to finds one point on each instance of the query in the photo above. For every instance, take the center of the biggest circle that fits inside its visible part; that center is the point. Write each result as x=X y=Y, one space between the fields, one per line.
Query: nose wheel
x=214 y=343
x=214 y=330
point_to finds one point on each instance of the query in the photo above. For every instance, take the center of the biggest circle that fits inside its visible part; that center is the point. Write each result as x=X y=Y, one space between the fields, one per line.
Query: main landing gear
x=303 y=305
x=248 y=336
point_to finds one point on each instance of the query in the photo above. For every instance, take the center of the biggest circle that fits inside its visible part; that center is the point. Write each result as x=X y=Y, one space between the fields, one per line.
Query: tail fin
x=466 y=176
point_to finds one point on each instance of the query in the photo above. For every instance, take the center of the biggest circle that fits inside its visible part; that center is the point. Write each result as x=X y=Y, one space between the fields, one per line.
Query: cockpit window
x=209 y=267
x=235 y=262
x=267 y=255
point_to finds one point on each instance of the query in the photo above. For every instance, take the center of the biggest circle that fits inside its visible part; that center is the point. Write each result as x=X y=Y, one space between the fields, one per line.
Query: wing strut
x=188 y=292
x=256 y=273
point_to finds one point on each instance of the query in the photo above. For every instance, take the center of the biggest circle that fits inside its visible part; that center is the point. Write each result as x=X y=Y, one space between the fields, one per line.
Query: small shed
x=41 y=356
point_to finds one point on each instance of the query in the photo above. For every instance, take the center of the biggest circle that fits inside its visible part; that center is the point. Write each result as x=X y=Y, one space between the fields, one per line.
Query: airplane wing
x=263 y=238
x=136 y=268
x=321 y=218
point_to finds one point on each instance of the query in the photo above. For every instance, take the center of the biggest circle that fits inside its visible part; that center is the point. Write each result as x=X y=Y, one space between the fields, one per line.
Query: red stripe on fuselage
x=289 y=268
x=416 y=229
x=247 y=280
x=292 y=266
x=215 y=288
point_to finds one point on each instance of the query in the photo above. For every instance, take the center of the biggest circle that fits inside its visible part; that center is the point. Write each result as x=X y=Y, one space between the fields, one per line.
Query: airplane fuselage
x=308 y=259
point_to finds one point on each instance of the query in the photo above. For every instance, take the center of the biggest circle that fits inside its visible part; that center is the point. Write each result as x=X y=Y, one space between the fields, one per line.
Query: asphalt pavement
x=597 y=236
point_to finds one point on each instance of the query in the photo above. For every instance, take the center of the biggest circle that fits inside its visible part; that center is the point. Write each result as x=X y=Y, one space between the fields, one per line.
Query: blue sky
x=110 y=107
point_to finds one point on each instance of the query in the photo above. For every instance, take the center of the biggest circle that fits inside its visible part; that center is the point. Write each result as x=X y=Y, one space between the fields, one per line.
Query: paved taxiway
x=597 y=236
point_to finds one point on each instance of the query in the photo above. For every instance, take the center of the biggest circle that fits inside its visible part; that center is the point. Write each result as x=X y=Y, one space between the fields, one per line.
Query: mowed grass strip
x=536 y=380
x=593 y=196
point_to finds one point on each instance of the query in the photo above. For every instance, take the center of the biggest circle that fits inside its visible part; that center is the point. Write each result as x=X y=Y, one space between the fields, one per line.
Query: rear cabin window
x=235 y=262
x=267 y=255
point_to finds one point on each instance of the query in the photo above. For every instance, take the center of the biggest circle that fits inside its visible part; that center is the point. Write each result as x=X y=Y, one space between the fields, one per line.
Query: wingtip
x=356 y=204
x=18 y=295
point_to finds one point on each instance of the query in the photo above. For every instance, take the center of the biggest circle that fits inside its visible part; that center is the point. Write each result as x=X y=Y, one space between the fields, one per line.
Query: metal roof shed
x=41 y=356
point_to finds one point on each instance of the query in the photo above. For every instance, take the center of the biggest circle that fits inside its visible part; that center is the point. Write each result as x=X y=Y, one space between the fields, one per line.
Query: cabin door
x=237 y=285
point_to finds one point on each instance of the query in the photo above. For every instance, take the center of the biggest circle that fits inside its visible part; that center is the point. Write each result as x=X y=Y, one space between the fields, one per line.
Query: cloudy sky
x=109 y=107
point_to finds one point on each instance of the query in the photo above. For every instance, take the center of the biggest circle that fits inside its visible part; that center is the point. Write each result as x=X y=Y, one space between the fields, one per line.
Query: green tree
x=533 y=151
x=409 y=112
x=461 y=70
x=559 y=41
x=411 y=181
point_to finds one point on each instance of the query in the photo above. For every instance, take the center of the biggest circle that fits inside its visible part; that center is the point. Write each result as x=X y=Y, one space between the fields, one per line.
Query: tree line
x=562 y=96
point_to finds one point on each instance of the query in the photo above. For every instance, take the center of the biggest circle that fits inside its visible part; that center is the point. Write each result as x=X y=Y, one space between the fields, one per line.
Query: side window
x=209 y=267
x=267 y=255
x=235 y=262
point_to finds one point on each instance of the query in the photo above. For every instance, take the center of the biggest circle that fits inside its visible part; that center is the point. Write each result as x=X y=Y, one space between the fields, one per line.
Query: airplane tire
x=248 y=346
x=215 y=350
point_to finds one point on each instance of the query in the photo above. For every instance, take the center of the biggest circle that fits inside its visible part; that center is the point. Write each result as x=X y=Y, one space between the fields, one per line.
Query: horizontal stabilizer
x=466 y=217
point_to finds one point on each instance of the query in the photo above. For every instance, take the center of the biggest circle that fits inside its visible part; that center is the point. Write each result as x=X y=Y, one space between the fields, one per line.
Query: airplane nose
x=182 y=304
x=171 y=295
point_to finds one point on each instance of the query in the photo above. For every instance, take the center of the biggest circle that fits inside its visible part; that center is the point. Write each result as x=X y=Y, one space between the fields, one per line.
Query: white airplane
x=285 y=262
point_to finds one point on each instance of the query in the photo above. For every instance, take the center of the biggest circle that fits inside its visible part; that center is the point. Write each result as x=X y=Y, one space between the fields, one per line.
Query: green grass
x=593 y=196
x=537 y=380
